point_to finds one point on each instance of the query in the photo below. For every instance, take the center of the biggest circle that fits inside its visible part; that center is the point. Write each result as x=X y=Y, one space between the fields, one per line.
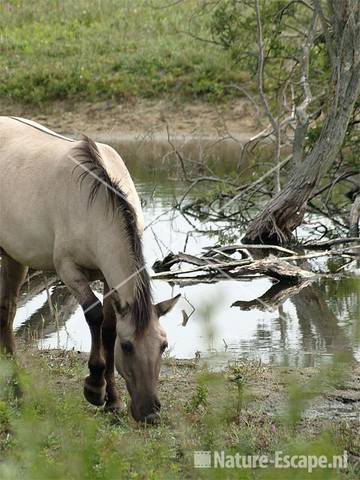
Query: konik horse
x=71 y=207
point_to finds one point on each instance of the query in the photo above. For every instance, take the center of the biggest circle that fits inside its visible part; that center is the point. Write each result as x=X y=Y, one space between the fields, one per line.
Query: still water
x=305 y=330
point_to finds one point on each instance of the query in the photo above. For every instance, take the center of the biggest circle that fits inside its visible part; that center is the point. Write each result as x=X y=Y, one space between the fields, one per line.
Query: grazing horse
x=71 y=207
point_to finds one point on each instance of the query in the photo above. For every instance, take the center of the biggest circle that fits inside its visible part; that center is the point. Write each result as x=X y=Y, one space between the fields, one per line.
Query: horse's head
x=137 y=359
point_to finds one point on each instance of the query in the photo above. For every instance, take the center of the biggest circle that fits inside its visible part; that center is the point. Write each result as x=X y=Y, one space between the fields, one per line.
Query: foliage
x=94 y=50
x=285 y=27
x=50 y=432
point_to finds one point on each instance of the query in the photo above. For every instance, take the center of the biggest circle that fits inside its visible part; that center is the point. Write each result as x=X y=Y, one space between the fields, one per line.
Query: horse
x=70 y=207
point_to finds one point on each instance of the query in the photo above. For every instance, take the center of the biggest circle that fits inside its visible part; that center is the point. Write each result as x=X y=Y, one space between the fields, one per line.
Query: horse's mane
x=87 y=154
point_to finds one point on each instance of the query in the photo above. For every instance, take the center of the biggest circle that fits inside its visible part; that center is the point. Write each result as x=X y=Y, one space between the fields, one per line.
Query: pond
x=307 y=329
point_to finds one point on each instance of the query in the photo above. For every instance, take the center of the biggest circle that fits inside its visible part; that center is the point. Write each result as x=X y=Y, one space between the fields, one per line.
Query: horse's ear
x=164 y=307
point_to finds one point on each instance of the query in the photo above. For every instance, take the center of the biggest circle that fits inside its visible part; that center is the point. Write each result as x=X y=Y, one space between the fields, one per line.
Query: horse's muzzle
x=152 y=419
x=149 y=416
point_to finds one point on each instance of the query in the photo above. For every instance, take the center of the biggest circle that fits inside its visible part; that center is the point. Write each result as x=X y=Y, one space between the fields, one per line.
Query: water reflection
x=304 y=330
x=291 y=324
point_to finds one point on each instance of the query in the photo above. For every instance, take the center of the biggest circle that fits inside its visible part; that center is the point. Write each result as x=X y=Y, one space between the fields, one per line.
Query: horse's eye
x=163 y=347
x=127 y=347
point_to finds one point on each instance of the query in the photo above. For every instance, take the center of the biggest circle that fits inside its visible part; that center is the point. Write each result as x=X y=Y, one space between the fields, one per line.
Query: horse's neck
x=115 y=260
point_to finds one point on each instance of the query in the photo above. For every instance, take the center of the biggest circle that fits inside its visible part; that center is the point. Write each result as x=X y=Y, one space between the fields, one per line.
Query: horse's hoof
x=113 y=407
x=93 y=394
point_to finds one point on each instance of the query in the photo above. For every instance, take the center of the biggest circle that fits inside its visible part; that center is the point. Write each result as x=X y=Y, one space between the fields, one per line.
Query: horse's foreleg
x=12 y=276
x=109 y=335
x=77 y=282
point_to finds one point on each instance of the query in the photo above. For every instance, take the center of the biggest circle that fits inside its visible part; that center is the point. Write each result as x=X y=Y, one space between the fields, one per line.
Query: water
x=307 y=329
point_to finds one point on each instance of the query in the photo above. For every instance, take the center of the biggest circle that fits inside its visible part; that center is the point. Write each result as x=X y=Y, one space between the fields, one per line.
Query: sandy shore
x=144 y=118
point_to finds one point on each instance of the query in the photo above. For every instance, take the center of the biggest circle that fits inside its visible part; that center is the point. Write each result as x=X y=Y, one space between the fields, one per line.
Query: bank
x=49 y=431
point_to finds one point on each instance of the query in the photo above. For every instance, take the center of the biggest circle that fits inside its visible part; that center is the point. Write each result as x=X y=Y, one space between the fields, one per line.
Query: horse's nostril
x=157 y=405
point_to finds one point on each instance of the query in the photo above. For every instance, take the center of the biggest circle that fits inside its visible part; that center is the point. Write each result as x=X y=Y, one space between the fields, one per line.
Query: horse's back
x=27 y=145
x=40 y=199
x=28 y=167
x=13 y=122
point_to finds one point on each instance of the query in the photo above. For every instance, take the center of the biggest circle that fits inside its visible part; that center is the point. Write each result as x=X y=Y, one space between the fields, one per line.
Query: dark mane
x=90 y=161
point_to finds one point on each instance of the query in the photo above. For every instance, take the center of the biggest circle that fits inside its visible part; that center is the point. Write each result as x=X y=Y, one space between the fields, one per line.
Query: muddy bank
x=143 y=118
x=266 y=388
x=246 y=408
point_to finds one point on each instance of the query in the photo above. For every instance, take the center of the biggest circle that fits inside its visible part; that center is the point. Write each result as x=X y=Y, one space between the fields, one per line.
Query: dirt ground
x=267 y=386
x=144 y=117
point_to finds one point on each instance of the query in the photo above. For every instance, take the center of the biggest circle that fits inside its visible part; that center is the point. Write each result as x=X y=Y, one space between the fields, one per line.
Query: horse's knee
x=97 y=366
x=93 y=312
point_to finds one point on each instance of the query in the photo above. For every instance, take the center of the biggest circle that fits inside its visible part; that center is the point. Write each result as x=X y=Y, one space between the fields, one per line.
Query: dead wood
x=172 y=259
x=234 y=248
x=321 y=245
x=212 y=268
x=272 y=267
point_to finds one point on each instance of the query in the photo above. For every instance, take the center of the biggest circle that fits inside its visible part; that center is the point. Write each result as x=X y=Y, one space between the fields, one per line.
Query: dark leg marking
x=109 y=336
x=12 y=276
x=95 y=384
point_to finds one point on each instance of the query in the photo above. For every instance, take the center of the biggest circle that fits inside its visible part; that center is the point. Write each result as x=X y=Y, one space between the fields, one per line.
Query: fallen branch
x=210 y=268
x=329 y=243
x=272 y=267
x=320 y=245
x=234 y=248
x=172 y=259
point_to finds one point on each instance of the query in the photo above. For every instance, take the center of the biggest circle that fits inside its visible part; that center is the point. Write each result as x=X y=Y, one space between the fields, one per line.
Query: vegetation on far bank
x=49 y=431
x=110 y=49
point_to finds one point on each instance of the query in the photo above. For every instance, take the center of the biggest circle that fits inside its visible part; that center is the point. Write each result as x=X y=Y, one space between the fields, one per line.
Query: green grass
x=99 y=49
x=50 y=432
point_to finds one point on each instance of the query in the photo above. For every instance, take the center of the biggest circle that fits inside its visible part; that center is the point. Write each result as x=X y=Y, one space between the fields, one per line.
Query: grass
x=51 y=432
x=92 y=49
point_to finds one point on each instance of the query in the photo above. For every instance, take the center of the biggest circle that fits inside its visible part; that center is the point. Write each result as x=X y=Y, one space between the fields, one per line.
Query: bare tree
x=340 y=23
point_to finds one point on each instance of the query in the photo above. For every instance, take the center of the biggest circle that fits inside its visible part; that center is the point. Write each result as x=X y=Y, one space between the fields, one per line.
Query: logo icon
x=202 y=459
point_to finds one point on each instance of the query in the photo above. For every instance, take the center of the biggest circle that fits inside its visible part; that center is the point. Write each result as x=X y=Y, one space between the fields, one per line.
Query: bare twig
x=178 y=154
x=233 y=248
x=259 y=180
x=329 y=243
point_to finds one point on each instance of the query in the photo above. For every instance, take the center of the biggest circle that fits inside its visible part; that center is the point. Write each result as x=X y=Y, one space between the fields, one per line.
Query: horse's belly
x=26 y=231
x=34 y=258
x=32 y=252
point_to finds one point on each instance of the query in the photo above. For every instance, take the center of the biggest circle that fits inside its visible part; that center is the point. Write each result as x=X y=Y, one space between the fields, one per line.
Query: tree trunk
x=285 y=211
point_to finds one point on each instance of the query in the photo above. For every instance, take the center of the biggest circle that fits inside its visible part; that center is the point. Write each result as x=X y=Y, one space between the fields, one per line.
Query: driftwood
x=321 y=245
x=271 y=267
x=171 y=259
x=274 y=268
x=217 y=263
x=212 y=267
x=233 y=248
